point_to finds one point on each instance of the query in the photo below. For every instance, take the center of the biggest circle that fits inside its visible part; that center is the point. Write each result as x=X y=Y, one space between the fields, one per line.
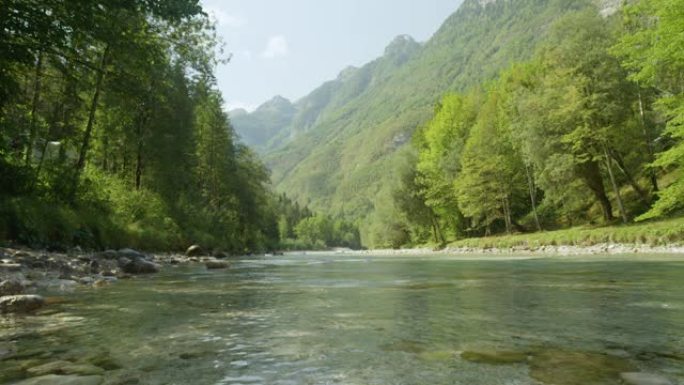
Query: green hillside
x=345 y=161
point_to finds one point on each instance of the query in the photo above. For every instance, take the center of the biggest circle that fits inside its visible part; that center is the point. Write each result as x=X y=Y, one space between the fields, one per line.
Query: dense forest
x=112 y=133
x=588 y=131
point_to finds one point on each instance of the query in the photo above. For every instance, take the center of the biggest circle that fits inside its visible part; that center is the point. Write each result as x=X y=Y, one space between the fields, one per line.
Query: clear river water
x=339 y=319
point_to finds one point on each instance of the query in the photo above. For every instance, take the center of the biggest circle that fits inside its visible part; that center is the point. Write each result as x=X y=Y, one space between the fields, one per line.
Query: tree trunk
x=630 y=179
x=591 y=174
x=616 y=188
x=649 y=141
x=439 y=237
x=53 y=123
x=91 y=116
x=533 y=196
x=34 y=108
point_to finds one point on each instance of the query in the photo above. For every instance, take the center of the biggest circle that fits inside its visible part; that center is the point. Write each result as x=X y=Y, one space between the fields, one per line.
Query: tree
x=651 y=50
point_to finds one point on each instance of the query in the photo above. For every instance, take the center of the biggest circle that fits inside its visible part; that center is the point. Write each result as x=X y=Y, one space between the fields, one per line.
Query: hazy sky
x=289 y=47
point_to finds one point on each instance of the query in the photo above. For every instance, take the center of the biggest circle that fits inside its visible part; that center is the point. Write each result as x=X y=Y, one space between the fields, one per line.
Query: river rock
x=21 y=254
x=53 y=379
x=11 y=287
x=65 y=367
x=215 y=264
x=10 y=267
x=58 y=284
x=108 y=254
x=194 y=251
x=137 y=266
x=221 y=255
x=638 y=378
x=130 y=254
x=20 y=303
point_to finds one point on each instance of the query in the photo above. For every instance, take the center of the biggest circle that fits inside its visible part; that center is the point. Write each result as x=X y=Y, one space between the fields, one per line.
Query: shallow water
x=330 y=319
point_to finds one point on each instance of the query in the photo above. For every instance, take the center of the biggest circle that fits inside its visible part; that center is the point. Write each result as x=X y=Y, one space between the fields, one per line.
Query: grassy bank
x=661 y=233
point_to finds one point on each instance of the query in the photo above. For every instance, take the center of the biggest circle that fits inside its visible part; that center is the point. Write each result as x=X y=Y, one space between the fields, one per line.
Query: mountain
x=256 y=129
x=278 y=122
x=340 y=151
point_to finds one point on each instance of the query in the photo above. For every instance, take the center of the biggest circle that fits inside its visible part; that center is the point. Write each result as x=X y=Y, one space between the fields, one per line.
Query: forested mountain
x=265 y=123
x=277 y=122
x=346 y=154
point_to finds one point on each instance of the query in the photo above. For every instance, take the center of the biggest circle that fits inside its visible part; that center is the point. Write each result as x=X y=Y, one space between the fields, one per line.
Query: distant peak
x=277 y=103
x=401 y=44
x=347 y=73
x=279 y=99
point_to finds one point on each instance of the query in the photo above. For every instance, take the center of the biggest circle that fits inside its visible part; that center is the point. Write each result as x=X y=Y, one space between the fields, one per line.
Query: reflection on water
x=317 y=319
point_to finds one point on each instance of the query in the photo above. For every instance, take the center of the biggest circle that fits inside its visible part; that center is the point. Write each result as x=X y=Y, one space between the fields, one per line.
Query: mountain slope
x=267 y=121
x=347 y=136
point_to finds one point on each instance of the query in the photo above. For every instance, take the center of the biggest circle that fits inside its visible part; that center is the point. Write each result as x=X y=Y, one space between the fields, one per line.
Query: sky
x=290 y=47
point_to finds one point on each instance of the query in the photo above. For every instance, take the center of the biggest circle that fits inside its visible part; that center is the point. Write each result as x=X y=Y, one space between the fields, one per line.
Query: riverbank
x=24 y=273
x=660 y=237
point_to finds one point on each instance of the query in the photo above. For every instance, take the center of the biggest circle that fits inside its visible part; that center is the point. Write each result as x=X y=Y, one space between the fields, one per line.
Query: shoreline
x=27 y=274
x=521 y=251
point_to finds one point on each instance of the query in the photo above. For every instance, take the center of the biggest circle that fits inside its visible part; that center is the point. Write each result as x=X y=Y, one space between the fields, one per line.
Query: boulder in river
x=194 y=251
x=137 y=266
x=21 y=303
x=53 y=379
x=216 y=264
x=639 y=378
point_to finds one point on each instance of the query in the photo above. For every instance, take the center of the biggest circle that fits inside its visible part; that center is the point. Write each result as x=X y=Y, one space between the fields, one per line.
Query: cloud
x=224 y=18
x=276 y=47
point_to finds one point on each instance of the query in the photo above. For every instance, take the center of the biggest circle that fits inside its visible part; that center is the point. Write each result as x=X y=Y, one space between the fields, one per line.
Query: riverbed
x=360 y=319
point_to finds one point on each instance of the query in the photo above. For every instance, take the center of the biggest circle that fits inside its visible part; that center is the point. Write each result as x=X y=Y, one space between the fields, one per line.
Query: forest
x=587 y=132
x=113 y=134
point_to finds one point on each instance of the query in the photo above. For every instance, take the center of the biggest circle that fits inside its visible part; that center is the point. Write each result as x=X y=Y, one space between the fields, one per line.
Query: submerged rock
x=194 y=251
x=215 y=264
x=65 y=367
x=11 y=287
x=572 y=368
x=406 y=346
x=494 y=357
x=20 y=303
x=53 y=379
x=638 y=378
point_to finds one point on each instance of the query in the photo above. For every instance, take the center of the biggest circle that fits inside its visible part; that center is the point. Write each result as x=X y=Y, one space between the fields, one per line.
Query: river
x=335 y=319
